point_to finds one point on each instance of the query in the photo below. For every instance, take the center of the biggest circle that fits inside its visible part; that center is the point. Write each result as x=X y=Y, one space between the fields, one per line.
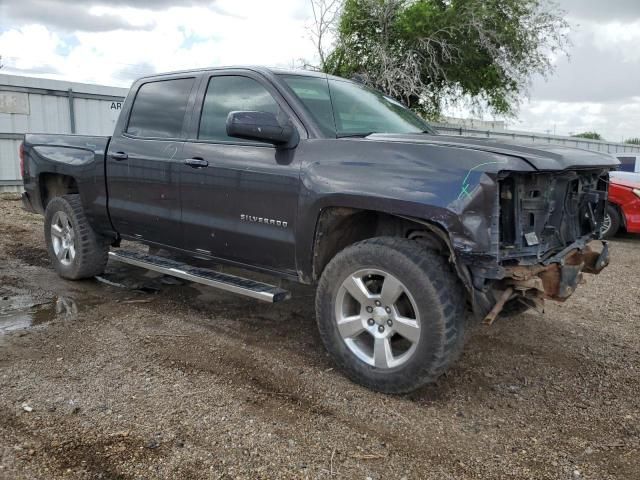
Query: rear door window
x=159 y=109
x=231 y=93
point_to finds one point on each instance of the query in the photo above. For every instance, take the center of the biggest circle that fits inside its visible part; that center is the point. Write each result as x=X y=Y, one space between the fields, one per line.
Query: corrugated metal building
x=37 y=105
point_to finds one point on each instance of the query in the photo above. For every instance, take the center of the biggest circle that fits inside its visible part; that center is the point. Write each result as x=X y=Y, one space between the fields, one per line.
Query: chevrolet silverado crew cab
x=320 y=180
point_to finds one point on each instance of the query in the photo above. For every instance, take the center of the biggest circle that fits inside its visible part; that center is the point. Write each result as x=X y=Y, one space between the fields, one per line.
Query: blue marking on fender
x=464 y=189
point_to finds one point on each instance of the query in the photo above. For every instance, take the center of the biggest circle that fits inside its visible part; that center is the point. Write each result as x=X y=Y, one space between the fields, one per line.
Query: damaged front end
x=543 y=236
x=555 y=280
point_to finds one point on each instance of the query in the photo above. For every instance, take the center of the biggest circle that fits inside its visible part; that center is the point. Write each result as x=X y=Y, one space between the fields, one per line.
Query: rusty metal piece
x=525 y=272
x=595 y=262
x=534 y=283
x=558 y=281
x=555 y=281
x=497 y=308
x=551 y=280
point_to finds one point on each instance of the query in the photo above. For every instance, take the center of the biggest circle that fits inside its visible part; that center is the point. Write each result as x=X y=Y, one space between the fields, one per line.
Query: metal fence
x=537 y=138
x=35 y=105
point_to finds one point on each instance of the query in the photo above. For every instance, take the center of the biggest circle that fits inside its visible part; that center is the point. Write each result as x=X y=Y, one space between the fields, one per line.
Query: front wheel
x=391 y=314
x=611 y=222
x=76 y=251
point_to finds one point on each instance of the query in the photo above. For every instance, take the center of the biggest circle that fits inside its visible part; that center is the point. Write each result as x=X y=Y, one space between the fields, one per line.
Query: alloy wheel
x=377 y=318
x=606 y=224
x=63 y=238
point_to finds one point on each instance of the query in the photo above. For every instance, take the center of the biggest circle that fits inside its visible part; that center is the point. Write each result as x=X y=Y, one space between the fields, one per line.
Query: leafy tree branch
x=431 y=52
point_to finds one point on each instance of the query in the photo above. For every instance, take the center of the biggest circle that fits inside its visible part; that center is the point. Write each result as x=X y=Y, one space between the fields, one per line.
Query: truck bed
x=53 y=161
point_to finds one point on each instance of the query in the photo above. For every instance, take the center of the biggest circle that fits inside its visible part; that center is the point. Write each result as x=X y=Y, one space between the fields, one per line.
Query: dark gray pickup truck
x=322 y=181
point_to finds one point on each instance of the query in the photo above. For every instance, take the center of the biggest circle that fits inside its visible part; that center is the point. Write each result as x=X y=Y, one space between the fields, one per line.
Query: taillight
x=21 y=153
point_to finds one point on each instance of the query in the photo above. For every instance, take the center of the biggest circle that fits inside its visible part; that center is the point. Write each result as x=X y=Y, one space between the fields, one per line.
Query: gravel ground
x=139 y=377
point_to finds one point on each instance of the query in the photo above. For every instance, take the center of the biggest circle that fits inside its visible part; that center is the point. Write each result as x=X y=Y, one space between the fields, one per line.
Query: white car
x=629 y=162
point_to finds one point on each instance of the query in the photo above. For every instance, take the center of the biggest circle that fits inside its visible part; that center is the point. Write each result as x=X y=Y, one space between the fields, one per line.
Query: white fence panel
x=10 y=166
x=96 y=117
x=36 y=105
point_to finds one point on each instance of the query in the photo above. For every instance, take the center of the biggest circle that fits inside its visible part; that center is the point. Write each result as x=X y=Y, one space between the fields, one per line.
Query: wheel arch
x=53 y=185
x=339 y=227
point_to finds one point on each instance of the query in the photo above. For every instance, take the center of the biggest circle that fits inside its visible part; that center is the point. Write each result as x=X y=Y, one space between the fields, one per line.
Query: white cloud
x=597 y=89
x=232 y=33
x=29 y=47
x=614 y=120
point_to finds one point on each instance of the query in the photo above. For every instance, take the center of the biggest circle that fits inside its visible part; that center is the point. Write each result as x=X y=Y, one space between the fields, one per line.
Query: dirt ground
x=136 y=376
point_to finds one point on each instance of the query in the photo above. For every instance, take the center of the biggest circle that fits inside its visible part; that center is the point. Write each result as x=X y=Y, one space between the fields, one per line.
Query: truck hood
x=542 y=157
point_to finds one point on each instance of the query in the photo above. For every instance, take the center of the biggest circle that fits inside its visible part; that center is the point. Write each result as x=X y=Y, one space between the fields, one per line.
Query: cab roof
x=254 y=68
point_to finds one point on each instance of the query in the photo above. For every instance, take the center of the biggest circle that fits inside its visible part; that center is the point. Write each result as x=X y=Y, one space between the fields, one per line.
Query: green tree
x=430 y=52
x=633 y=141
x=589 y=135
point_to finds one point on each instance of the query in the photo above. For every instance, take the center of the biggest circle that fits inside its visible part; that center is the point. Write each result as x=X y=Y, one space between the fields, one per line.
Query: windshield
x=342 y=108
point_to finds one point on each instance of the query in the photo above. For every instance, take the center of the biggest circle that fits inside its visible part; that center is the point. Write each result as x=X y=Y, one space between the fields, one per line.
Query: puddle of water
x=20 y=311
x=132 y=278
x=23 y=311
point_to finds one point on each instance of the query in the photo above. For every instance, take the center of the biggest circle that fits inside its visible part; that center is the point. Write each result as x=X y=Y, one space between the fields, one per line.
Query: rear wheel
x=76 y=251
x=391 y=314
x=611 y=222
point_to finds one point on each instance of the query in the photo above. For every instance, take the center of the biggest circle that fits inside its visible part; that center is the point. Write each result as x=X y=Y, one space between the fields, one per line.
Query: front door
x=239 y=198
x=144 y=161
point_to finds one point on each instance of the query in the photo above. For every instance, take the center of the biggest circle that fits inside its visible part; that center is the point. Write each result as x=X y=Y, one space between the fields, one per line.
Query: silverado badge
x=266 y=221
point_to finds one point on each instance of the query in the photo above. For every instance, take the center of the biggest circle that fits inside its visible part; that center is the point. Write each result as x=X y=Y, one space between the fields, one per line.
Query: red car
x=624 y=204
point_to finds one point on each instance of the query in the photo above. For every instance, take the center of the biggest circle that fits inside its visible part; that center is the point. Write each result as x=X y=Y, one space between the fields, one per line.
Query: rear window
x=159 y=109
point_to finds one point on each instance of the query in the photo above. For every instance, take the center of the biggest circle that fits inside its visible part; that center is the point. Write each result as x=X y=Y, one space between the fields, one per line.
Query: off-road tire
x=91 y=249
x=614 y=215
x=439 y=297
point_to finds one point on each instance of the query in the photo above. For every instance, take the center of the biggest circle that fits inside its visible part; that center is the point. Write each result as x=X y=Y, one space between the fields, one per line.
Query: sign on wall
x=114 y=112
x=14 y=102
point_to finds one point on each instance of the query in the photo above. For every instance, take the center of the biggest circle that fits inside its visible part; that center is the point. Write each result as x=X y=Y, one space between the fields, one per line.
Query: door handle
x=119 y=156
x=196 y=162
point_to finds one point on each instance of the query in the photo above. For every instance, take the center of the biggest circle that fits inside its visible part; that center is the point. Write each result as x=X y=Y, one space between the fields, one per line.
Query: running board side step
x=223 y=281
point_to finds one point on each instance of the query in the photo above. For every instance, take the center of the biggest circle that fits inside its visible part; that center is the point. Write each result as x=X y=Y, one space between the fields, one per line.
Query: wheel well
x=55 y=185
x=339 y=227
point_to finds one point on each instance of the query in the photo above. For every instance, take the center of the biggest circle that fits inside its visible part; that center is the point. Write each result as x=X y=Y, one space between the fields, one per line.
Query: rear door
x=239 y=198
x=144 y=162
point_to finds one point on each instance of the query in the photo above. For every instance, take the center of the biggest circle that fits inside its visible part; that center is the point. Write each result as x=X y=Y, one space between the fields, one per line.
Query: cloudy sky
x=114 y=41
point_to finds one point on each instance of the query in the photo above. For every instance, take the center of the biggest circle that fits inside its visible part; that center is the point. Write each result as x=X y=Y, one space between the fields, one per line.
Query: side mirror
x=263 y=127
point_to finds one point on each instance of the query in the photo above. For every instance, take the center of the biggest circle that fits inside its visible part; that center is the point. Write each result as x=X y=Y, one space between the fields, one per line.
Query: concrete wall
x=36 y=105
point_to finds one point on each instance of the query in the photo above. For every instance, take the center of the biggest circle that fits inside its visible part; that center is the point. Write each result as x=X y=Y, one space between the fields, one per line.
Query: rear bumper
x=26 y=203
